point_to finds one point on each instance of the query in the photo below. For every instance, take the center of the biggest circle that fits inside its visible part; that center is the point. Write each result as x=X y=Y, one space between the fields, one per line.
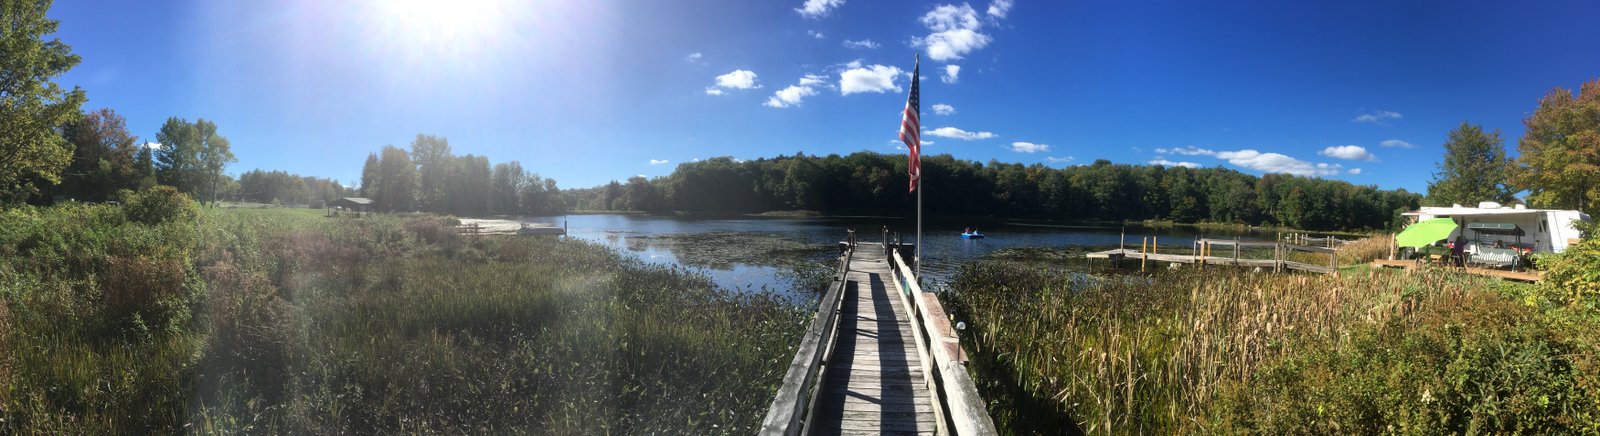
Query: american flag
x=911 y=128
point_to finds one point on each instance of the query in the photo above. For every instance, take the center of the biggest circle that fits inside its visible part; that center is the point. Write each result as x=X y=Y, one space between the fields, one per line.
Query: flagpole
x=917 y=67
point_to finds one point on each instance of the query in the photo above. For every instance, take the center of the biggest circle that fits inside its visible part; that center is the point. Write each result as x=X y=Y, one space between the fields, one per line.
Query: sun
x=448 y=29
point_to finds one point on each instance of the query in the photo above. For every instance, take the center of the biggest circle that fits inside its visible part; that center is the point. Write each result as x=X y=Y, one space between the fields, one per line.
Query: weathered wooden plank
x=873 y=384
x=911 y=424
x=786 y=413
x=857 y=404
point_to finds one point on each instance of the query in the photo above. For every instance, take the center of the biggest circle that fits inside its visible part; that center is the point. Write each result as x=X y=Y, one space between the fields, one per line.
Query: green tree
x=192 y=157
x=215 y=154
x=105 y=158
x=507 y=180
x=396 y=185
x=32 y=105
x=434 y=162
x=369 y=175
x=1474 y=169
x=1559 y=162
x=178 y=155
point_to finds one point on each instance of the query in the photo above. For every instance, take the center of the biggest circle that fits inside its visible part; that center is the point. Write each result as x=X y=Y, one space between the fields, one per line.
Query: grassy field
x=282 y=320
x=1229 y=351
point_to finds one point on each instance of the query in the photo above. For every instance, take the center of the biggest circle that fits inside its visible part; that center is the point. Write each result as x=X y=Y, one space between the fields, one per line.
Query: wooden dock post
x=1144 y=254
x=1236 y=250
x=1277 y=254
x=1391 y=246
x=1333 y=258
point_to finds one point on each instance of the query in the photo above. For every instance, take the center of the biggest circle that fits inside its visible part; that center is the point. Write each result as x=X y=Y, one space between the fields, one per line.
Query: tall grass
x=1365 y=250
x=1230 y=351
x=264 y=322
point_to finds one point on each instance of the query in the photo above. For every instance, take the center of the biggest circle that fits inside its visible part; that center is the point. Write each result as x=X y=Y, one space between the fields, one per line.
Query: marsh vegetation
x=1229 y=351
x=169 y=318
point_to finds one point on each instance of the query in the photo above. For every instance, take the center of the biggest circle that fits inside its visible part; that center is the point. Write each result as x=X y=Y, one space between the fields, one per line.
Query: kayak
x=973 y=235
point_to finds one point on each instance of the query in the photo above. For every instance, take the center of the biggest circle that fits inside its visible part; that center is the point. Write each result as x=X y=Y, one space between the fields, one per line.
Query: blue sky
x=587 y=92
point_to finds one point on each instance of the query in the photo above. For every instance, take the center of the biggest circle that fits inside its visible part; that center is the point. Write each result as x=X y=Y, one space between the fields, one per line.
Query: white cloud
x=1348 y=152
x=876 y=78
x=954 y=133
x=814 y=34
x=1164 y=162
x=713 y=91
x=1187 y=151
x=999 y=8
x=1277 y=163
x=943 y=109
x=738 y=79
x=951 y=73
x=152 y=145
x=955 y=32
x=693 y=57
x=811 y=80
x=1264 y=162
x=657 y=161
x=1377 y=117
x=1396 y=143
x=862 y=44
x=790 y=97
x=1029 y=147
x=1053 y=159
x=818 y=8
x=1355 y=171
x=794 y=94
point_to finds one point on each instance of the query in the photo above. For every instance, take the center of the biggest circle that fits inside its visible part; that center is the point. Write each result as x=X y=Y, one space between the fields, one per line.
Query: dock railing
x=796 y=398
x=958 y=408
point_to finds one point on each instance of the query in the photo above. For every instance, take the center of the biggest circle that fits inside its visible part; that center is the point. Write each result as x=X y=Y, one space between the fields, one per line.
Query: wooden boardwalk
x=874 y=382
x=880 y=357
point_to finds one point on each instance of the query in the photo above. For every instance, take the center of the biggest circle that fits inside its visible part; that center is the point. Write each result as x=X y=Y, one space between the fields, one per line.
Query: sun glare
x=452 y=29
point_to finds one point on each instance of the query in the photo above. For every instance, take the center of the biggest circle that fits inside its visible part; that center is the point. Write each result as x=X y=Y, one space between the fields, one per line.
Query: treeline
x=876 y=184
x=102 y=158
x=431 y=178
x=279 y=187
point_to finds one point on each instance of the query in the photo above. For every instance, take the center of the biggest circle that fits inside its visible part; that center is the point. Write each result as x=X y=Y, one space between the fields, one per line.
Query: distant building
x=357 y=204
x=1540 y=229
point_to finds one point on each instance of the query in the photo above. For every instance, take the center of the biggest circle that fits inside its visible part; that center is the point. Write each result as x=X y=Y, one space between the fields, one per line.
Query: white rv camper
x=1538 y=230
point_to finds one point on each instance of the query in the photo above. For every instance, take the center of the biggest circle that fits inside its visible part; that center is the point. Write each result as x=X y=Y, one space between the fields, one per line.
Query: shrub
x=145 y=289
x=435 y=231
x=158 y=205
x=1573 y=277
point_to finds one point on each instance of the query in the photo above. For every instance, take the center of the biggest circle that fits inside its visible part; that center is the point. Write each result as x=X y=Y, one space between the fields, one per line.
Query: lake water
x=651 y=238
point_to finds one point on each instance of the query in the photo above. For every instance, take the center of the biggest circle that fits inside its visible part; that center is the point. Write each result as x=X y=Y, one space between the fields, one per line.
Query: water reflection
x=745 y=253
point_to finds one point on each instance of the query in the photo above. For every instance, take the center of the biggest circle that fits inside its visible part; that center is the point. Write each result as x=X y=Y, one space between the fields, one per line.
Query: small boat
x=972 y=235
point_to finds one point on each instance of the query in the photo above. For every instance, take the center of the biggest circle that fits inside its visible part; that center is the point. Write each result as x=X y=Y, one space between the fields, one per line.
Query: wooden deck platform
x=874 y=382
x=1412 y=265
x=1135 y=255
